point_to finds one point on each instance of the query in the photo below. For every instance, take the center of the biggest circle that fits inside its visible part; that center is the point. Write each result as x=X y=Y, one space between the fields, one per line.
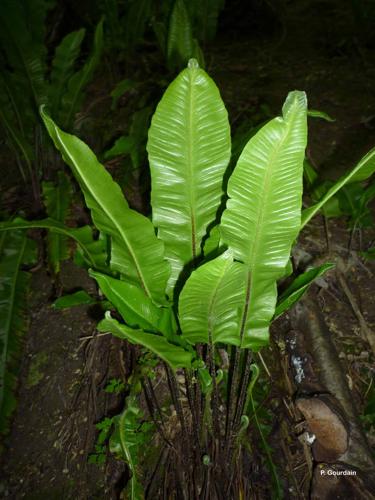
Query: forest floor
x=66 y=364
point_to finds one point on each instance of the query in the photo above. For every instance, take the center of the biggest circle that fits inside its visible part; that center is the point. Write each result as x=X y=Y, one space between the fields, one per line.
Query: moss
x=36 y=374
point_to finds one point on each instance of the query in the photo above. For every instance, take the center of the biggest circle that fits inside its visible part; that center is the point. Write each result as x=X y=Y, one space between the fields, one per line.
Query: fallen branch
x=327 y=403
x=367 y=334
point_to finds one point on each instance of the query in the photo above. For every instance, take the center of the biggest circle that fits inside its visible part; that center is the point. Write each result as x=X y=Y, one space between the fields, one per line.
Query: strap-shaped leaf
x=175 y=356
x=136 y=252
x=209 y=303
x=22 y=33
x=93 y=250
x=63 y=66
x=137 y=19
x=362 y=171
x=263 y=212
x=72 y=98
x=57 y=198
x=316 y=113
x=126 y=443
x=180 y=34
x=79 y=298
x=298 y=287
x=181 y=45
x=15 y=249
x=189 y=150
x=16 y=140
x=135 y=307
x=205 y=14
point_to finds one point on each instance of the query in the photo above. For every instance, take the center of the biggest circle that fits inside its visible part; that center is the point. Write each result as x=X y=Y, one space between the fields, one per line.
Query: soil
x=66 y=365
x=64 y=371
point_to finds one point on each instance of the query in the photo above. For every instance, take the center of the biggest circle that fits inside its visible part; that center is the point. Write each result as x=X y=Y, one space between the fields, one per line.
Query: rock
x=324 y=421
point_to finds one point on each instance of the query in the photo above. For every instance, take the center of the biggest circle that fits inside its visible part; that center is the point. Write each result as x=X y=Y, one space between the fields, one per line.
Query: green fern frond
x=57 y=198
x=16 y=249
x=63 y=67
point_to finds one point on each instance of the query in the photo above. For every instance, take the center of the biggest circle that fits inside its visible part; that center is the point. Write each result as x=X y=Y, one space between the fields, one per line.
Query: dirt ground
x=66 y=364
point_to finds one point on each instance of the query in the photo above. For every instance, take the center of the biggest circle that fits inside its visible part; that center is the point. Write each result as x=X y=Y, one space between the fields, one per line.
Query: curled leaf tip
x=193 y=63
x=296 y=98
x=43 y=111
x=244 y=422
x=255 y=371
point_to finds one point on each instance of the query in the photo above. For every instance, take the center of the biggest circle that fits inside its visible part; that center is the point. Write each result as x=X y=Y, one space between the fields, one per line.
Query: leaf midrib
x=127 y=452
x=255 y=247
x=190 y=155
x=10 y=318
x=66 y=61
x=113 y=220
x=84 y=71
x=254 y=252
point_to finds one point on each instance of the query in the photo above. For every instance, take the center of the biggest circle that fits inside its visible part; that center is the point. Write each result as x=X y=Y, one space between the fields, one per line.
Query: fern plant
x=28 y=81
x=352 y=201
x=16 y=250
x=178 y=26
x=57 y=198
x=199 y=279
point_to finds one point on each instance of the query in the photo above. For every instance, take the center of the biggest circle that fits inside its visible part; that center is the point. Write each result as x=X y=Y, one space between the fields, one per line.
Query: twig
x=367 y=333
x=88 y=337
x=326 y=231
x=264 y=364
